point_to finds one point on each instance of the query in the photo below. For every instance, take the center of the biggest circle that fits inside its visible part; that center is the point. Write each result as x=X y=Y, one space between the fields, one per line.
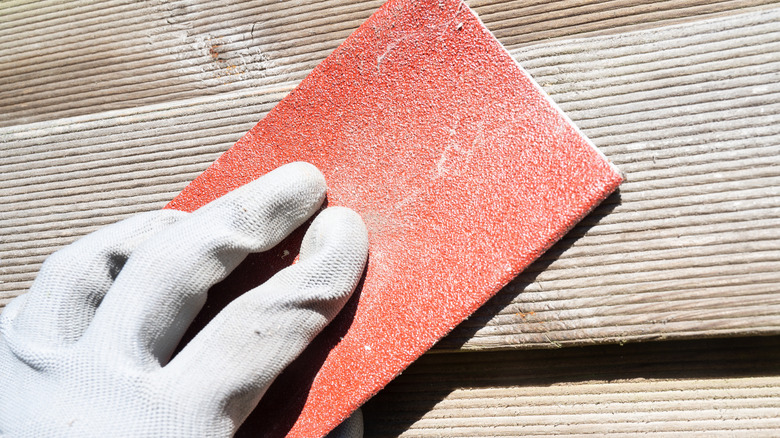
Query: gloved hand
x=86 y=353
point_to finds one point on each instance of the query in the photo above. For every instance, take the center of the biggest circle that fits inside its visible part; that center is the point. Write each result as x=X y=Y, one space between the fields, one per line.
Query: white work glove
x=86 y=353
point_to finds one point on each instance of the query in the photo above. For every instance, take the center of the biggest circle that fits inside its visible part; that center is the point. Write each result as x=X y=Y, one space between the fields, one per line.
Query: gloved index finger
x=234 y=359
x=164 y=282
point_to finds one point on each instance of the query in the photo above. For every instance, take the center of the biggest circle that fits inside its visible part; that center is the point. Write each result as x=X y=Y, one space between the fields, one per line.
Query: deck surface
x=109 y=109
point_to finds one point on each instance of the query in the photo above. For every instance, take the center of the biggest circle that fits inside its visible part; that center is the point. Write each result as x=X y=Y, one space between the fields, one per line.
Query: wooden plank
x=688 y=248
x=704 y=388
x=87 y=59
x=81 y=57
x=62 y=179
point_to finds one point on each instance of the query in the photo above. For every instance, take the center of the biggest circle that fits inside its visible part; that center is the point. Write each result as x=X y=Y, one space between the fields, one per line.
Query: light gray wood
x=61 y=59
x=89 y=57
x=64 y=178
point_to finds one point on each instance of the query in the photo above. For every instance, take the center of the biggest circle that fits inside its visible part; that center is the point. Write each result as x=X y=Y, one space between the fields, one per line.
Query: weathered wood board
x=60 y=59
x=715 y=388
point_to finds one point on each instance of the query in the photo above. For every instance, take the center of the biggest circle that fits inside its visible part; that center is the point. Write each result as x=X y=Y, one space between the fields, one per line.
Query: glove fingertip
x=336 y=226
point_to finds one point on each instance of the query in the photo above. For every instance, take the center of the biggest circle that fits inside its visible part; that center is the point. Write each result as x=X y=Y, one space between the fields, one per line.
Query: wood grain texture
x=63 y=179
x=695 y=388
x=688 y=248
x=61 y=59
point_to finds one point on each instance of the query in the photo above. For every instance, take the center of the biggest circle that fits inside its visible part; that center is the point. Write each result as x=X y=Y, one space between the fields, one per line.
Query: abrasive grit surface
x=461 y=166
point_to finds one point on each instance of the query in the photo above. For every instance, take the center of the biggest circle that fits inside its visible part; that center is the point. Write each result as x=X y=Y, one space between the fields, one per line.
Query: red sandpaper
x=462 y=168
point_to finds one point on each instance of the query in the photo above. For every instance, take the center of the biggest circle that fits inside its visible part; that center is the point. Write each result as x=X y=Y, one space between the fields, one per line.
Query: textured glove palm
x=86 y=353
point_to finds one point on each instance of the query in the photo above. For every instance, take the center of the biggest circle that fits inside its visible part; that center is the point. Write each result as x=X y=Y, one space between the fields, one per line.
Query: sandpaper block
x=461 y=166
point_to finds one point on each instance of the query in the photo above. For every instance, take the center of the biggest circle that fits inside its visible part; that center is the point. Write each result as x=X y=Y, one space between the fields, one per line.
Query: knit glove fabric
x=87 y=351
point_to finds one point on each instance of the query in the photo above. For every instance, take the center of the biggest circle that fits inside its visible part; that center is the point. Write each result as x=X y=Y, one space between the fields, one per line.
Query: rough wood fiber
x=693 y=388
x=61 y=59
x=690 y=247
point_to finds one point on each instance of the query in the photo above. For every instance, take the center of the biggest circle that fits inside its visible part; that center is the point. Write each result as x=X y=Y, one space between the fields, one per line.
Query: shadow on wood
x=466 y=331
x=544 y=389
